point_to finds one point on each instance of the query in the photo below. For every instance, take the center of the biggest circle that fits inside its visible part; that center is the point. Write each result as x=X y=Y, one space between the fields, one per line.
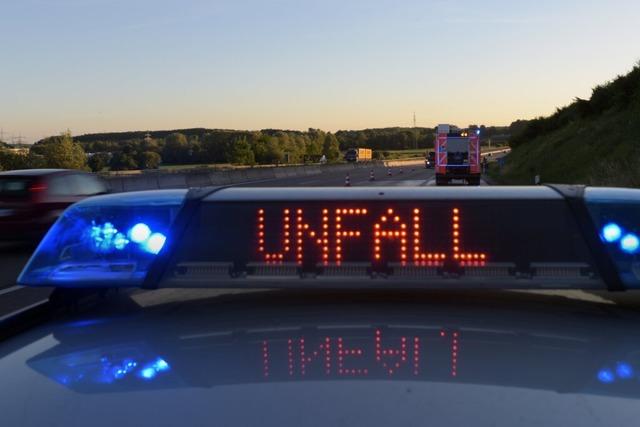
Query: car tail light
x=37 y=190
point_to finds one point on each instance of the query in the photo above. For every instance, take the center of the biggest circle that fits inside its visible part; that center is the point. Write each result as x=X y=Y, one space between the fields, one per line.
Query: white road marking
x=11 y=289
x=22 y=310
x=432 y=183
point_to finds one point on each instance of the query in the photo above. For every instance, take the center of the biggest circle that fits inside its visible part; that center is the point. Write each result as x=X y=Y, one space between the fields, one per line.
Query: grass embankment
x=594 y=142
x=601 y=152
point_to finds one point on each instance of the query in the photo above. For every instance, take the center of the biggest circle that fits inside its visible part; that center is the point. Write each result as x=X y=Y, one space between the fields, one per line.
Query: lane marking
x=432 y=183
x=23 y=310
x=410 y=183
x=11 y=289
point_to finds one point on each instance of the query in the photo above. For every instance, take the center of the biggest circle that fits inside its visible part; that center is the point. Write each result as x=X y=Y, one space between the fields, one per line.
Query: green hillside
x=595 y=141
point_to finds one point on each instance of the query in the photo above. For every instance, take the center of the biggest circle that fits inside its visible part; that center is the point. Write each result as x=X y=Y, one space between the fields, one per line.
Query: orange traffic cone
x=347 y=181
x=372 y=177
x=389 y=172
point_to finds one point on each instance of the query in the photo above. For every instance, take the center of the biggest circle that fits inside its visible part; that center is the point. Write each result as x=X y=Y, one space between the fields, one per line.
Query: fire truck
x=457 y=156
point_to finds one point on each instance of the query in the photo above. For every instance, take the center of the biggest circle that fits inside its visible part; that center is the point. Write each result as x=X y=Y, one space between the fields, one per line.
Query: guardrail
x=420 y=160
x=202 y=177
x=205 y=177
x=499 y=151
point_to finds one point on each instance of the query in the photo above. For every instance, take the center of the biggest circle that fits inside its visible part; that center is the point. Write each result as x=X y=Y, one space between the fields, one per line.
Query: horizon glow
x=119 y=65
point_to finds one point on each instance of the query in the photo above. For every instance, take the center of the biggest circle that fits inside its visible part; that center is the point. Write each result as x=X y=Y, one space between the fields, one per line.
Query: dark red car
x=32 y=199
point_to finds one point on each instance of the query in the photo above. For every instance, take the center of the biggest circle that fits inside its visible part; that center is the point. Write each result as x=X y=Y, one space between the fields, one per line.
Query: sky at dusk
x=115 y=65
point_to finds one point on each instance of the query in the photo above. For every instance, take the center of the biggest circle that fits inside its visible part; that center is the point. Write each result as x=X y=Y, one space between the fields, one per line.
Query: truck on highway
x=358 y=155
x=457 y=156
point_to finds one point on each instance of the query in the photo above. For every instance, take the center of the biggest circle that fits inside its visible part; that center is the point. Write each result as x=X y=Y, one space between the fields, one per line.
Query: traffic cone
x=389 y=172
x=347 y=181
x=372 y=177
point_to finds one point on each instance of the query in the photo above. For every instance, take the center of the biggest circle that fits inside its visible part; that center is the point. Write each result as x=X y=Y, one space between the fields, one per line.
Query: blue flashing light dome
x=139 y=233
x=630 y=243
x=155 y=243
x=611 y=232
x=107 y=240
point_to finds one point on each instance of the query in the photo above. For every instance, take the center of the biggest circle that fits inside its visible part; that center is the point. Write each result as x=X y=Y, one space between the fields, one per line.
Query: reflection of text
x=357 y=357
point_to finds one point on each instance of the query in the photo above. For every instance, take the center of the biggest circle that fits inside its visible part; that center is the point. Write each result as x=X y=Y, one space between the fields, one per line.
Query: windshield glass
x=14 y=187
x=457 y=145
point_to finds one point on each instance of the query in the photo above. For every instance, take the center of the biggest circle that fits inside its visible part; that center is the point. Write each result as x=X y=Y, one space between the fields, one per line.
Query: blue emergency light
x=105 y=241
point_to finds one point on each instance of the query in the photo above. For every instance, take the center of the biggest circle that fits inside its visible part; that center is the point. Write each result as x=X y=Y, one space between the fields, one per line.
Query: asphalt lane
x=415 y=175
x=12 y=258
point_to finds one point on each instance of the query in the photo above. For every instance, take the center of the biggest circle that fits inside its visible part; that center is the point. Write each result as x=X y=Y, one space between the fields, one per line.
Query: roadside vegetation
x=192 y=148
x=594 y=141
x=54 y=152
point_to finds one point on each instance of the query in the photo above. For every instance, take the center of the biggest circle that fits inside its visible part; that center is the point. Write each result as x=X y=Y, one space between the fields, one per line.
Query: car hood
x=274 y=358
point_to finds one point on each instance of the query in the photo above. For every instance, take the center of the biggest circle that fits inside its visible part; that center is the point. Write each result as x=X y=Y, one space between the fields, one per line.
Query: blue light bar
x=105 y=241
x=117 y=240
x=616 y=213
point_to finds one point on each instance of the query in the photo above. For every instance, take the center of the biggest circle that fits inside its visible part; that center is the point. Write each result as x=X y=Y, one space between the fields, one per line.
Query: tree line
x=54 y=152
x=222 y=147
x=149 y=150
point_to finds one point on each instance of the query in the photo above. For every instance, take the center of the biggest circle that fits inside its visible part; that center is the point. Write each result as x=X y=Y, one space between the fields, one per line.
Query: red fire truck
x=457 y=156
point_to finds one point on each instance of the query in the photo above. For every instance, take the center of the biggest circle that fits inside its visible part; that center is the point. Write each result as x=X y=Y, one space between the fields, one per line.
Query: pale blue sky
x=111 y=65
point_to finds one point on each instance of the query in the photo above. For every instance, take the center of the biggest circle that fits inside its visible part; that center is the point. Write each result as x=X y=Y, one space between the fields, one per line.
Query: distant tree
x=276 y=151
x=270 y=152
x=194 y=150
x=149 y=160
x=241 y=153
x=12 y=161
x=259 y=148
x=123 y=161
x=213 y=149
x=99 y=161
x=61 y=152
x=150 y=144
x=331 y=147
x=176 y=148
